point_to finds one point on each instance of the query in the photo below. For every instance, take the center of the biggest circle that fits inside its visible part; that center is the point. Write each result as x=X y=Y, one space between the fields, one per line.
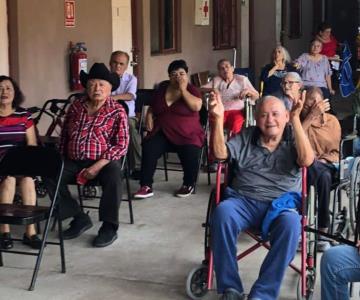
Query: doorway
x=125 y=29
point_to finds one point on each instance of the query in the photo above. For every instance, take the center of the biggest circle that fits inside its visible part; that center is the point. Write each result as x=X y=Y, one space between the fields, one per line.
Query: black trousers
x=109 y=179
x=320 y=175
x=154 y=147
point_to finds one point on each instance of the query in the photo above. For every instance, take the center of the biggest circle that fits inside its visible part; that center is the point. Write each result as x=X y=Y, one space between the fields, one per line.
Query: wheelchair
x=200 y=279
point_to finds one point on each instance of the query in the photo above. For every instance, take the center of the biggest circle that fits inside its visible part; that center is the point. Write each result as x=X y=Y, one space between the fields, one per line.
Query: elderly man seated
x=93 y=140
x=266 y=161
x=324 y=133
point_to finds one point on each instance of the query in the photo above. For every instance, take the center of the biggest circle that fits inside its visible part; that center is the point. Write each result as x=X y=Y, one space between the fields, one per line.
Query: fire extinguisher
x=78 y=62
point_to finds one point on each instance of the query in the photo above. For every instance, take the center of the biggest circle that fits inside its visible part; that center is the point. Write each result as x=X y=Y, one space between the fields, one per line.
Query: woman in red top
x=174 y=125
x=328 y=40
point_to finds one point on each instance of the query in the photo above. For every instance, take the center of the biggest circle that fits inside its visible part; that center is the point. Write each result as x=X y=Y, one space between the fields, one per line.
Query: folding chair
x=201 y=78
x=33 y=161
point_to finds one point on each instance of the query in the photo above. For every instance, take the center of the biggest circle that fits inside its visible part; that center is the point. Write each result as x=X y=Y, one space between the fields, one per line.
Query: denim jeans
x=236 y=214
x=339 y=266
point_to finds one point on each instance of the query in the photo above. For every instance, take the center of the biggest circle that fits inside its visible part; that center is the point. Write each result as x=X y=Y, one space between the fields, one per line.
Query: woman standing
x=16 y=129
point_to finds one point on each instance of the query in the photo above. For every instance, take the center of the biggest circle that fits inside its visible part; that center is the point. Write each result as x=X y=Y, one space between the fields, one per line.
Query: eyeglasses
x=290 y=83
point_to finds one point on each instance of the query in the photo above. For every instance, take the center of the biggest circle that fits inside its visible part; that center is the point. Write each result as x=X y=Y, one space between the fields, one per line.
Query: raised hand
x=216 y=107
x=298 y=106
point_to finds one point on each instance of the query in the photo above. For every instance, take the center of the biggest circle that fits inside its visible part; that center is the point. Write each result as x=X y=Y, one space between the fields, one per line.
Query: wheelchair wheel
x=310 y=286
x=40 y=188
x=90 y=192
x=196 y=282
x=354 y=193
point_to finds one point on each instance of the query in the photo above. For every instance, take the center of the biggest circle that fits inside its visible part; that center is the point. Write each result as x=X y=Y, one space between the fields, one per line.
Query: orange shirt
x=325 y=138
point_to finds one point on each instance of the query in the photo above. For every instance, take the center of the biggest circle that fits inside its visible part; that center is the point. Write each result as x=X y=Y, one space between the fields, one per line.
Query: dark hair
x=116 y=53
x=176 y=65
x=314 y=90
x=18 y=97
x=323 y=26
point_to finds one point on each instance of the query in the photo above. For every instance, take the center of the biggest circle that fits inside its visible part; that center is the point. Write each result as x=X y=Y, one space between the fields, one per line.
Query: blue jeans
x=236 y=214
x=339 y=266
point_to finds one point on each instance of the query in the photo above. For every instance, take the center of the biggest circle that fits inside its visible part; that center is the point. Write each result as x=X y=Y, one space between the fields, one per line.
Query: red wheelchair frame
x=200 y=279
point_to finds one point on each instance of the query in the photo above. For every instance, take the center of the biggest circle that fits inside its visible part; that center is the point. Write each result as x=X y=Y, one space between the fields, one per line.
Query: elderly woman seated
x=233 y=89
x=324 y=133
x=93 y=140
x=173 y=123
x=273 y=73
x=291 y=89
x=16 y=129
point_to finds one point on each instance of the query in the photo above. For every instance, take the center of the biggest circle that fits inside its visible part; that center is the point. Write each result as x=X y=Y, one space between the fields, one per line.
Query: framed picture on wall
x=295 y=22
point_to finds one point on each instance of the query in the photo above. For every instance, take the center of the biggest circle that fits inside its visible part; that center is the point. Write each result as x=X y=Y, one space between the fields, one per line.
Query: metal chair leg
x=39 y=256
x=129 y=198
x=62 y=250
x=165 y=168
x=1 y=260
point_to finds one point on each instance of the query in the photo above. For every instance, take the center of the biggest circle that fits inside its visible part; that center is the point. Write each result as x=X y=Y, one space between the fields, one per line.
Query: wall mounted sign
x=69 y=13
x=202 y=12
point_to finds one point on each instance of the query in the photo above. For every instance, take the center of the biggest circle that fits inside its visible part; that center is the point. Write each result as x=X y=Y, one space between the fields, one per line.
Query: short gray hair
x=262 y=100
x=294 y=75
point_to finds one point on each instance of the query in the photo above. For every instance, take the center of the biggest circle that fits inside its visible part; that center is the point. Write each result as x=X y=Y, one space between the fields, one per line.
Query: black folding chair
x=33 y=161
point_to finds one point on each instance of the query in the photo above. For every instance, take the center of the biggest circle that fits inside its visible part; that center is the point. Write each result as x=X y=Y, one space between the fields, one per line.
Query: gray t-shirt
x=260 y=174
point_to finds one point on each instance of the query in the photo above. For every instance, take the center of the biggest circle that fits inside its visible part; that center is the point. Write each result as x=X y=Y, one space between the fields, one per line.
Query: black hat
x=100 y=71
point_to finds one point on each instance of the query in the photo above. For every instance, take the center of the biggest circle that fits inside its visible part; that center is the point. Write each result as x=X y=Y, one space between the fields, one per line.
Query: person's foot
x=144 y=192
x=323 y=244
x=135 y=175
x=232 y=294
x=78 y=226
x=6 y=241
x=184 y=191
x=106 y=235
x=32 y=241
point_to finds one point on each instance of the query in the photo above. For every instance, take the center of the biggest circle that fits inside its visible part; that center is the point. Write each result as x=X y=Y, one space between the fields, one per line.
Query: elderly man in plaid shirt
x=93 y=140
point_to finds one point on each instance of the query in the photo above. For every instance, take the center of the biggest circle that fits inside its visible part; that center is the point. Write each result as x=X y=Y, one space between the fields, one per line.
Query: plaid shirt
x=102 y=135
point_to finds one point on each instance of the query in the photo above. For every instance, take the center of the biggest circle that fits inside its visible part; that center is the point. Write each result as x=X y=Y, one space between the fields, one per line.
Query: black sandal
x=33 y=241
x=6 y=241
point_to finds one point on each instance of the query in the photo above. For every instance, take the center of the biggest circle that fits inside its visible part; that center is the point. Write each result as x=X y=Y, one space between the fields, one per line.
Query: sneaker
x=185 y=191
x=144 y=192
x=33 y=241
x=106 y=236
x=232 y=294
x=78 y=226
x=6 y=241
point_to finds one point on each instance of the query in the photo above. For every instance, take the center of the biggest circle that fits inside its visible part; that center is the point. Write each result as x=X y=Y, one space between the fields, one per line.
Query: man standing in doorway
x=119 y=62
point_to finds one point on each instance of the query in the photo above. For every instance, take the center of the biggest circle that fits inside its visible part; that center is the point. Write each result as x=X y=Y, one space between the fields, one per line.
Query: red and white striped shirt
x=102 y=135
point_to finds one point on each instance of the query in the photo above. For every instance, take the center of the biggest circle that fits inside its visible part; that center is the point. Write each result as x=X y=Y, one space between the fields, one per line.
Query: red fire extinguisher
x=78 y=62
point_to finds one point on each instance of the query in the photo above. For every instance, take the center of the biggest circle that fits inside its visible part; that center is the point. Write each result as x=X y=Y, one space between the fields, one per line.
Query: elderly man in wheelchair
x=266 y=162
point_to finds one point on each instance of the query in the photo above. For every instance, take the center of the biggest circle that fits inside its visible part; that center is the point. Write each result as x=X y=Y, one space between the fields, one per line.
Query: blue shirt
x=128 y=84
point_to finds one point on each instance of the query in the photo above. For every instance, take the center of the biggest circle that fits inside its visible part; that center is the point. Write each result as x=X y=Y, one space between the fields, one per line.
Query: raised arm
x=193 y=102
x=303 y=147
x=216 y=110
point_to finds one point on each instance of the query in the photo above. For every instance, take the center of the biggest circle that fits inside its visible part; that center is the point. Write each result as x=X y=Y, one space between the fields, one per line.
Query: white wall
x=4 y=40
